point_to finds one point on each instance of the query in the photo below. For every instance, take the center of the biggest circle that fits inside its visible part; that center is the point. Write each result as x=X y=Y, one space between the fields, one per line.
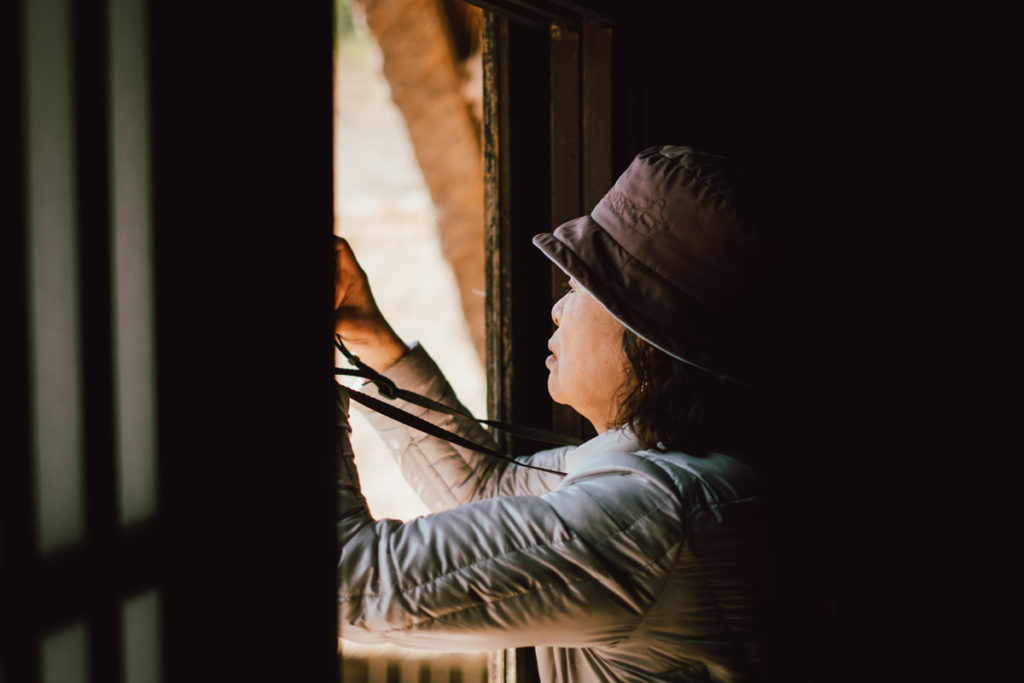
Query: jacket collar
x=617 y=440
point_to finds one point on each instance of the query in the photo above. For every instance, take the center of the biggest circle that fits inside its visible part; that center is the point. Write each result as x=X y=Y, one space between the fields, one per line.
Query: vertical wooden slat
x=565 y=124
x=94 y=282
x=90 y=50
x=597 y=111
x=496 y=234
x=566 y=172
x=93 y=228
x=18 y=656
x=105 y=644
x=17 y=510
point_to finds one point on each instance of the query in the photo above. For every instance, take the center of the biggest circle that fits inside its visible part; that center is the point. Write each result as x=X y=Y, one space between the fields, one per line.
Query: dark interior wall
x=242 y=150
x=851 y=117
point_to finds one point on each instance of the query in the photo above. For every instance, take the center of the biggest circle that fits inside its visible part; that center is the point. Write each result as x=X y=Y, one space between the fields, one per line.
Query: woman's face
x=587 y=366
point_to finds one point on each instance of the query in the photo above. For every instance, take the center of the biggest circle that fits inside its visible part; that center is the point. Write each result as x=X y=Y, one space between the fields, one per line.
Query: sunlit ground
x=383 y=208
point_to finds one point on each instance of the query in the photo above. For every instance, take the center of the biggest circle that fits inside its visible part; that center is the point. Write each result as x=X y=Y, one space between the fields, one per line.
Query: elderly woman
x=654 y=557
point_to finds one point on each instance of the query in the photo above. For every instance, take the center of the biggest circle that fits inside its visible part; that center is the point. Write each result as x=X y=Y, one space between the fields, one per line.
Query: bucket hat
x=680 y=252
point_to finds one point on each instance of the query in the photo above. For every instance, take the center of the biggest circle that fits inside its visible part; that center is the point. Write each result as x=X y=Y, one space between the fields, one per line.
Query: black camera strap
x=387 y=388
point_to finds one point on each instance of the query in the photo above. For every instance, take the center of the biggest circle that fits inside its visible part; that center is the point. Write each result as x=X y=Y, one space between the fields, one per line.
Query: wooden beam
x=597 y=112
x=566 y=171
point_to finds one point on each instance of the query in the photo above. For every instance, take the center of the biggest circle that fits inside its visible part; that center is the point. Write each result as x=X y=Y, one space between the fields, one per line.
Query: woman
x=654 y=558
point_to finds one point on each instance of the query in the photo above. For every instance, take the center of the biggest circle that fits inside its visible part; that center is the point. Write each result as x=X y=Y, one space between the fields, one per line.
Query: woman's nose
x=556 y=310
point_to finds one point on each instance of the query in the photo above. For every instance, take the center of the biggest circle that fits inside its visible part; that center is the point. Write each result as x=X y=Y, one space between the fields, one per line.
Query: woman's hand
x=357 y=318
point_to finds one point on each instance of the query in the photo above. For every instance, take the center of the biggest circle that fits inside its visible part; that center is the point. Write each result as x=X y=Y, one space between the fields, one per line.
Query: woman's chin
x=553 y=389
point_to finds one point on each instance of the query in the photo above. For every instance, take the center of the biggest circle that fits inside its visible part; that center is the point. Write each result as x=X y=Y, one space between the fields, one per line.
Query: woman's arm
x=443 y=474
x=578 y=566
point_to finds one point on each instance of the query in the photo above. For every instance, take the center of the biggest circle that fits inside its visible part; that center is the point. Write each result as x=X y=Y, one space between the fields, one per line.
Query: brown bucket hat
x=679 y=251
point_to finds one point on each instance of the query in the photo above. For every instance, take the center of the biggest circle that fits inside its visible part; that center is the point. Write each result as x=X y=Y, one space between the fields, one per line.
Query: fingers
x=349 y=277
x=351 y=286
x=344 y=254
x=357 y=319
x=341 y=248
x=341 y=244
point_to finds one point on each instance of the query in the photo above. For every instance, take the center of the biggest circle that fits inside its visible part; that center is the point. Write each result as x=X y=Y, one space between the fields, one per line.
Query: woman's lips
x=550 y=360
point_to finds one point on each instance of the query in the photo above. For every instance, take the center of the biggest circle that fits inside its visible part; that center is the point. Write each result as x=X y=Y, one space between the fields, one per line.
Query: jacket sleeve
x=577 y=566
x=445 y=475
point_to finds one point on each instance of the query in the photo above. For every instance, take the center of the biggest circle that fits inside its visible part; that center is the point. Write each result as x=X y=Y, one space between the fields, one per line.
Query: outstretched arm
x=444 y=475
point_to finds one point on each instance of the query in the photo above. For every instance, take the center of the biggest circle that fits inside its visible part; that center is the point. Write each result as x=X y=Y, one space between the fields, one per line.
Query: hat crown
x=682 y=214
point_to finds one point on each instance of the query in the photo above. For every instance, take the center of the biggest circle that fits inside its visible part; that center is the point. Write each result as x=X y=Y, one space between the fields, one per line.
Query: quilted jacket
x=638 y=565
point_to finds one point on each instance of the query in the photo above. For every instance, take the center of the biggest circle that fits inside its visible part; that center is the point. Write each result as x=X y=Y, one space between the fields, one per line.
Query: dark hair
x=672 y=405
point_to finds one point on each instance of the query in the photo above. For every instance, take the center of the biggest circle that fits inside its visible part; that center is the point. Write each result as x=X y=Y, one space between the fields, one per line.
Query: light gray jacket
x=637 y=566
